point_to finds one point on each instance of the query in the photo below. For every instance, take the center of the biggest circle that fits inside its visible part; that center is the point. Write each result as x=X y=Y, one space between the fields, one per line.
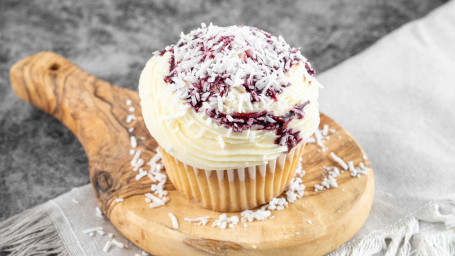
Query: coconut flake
x=198 y=221
x=91 y=230
x=325 y=129
x=130 y=118
x=133 y=141
x=117 y=243
x=338 y=160
x=107 y=246
x=99 y=213
x=175 y=224
x=221 y=142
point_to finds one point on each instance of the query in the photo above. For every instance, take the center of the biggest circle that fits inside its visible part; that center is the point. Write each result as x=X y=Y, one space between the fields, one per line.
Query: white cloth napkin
x=397 y=99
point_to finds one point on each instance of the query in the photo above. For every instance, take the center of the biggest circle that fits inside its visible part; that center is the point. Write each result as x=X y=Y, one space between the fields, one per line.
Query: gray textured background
x=40 y=158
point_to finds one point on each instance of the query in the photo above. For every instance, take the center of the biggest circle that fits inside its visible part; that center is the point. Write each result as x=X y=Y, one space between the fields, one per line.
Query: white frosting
x=197 y=140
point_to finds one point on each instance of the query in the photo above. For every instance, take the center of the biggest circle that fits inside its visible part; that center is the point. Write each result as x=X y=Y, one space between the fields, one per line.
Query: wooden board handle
x=94 y=110
x=79 y=100
x=40 y=79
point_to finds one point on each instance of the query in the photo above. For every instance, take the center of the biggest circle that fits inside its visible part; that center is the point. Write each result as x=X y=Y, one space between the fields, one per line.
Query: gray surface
x=40 y=158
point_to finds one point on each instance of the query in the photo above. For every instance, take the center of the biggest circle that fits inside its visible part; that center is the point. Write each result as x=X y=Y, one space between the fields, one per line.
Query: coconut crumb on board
x=320 y=136
x=224 y=221
x=355 y=172
x=330 y=180
x=175 y=223
x=339 y=161
x=200 y=221
x=153 y=173
x=319 y=140
x=133 y=141
x=296 y=188
x=277 y=203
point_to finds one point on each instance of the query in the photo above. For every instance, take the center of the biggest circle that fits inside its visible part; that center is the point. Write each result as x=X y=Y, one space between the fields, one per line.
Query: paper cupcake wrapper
x=233 y=190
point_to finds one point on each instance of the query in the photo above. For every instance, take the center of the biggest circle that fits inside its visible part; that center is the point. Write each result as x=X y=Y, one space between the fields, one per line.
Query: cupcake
x=231 y=108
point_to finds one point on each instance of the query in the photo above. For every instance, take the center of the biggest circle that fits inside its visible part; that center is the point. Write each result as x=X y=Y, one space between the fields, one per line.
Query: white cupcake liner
x=233 y=190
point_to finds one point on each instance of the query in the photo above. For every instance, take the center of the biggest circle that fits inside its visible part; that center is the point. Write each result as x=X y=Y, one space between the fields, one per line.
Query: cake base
x=95 y=111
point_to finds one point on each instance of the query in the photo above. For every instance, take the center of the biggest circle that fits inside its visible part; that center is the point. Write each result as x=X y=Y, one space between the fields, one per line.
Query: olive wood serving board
x=96 y=112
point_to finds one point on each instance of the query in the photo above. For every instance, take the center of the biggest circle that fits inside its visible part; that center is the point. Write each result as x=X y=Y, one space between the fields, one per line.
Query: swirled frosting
x=229 y=97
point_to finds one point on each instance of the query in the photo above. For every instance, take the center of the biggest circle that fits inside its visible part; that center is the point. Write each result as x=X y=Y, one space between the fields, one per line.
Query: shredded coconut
x=107 y=246
x=339 y=161
x=321 y=135
x=296 y=188
x=224 y=221
x=228 y=57
x=175 y=224
x=329 y=181
x=351 y=167
x=276 y=204
x=117 y=243
x=325 y=129
x=260 y=214
x=130 y=118
x=198 y=221
x=91 y=230
x=133 y=141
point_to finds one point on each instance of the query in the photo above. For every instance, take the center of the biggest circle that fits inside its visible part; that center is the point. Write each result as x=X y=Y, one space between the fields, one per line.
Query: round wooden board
x=96 y=112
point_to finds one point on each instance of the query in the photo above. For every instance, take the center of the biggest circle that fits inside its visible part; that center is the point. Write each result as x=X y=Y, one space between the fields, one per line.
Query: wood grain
x=95 y=111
